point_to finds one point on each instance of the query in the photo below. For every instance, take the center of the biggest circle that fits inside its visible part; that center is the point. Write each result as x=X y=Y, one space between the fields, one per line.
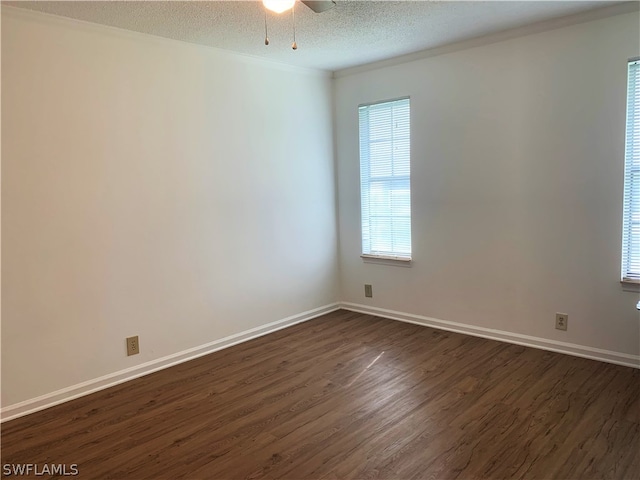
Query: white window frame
x=398 y=181
x=631 y=215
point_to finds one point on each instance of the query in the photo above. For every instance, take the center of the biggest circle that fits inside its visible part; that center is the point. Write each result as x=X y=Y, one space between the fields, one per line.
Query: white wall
x=152 y=188
x=517 y=168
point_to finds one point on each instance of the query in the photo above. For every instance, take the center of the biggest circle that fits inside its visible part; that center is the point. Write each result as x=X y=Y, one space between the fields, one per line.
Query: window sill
x=629 y=285
x=384 y=260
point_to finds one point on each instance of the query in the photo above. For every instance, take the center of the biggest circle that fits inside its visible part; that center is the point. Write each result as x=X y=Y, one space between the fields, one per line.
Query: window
x=385 y=193
x=631 y=219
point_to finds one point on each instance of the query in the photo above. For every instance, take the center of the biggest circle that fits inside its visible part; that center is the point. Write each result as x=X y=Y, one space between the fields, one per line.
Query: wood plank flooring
x=350 y=396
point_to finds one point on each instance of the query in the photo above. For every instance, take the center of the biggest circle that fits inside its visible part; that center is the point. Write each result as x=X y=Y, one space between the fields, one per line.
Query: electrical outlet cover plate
x=133 y=346
x=368 y=291
x=562 y=319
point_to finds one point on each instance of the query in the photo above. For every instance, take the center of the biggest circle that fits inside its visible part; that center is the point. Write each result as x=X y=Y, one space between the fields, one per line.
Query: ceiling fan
x=319 y=6
x=280 y=6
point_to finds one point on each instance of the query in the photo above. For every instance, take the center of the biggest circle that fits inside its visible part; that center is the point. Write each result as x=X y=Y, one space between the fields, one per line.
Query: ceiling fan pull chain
x=266 y=33
x=293 y=16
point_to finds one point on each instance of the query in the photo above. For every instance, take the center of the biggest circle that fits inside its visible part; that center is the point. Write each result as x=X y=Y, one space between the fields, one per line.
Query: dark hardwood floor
x=350 y=396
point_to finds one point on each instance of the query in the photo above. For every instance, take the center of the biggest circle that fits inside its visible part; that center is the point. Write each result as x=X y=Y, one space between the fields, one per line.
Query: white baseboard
x=608 y=356
x=85 y=388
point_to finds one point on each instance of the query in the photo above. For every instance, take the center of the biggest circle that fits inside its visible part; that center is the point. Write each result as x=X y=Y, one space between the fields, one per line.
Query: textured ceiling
x=350 y=34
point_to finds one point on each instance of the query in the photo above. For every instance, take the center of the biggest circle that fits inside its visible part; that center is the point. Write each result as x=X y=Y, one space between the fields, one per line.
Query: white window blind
x=631 y=219
x=385 y=168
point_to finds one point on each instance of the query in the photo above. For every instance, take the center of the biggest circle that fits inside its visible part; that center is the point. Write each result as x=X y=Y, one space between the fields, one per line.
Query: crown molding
x=83 y=25
x=538 y=27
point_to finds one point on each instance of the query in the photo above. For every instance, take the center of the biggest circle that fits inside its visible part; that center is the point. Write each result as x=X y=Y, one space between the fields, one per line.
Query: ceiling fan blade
x=319 y=6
